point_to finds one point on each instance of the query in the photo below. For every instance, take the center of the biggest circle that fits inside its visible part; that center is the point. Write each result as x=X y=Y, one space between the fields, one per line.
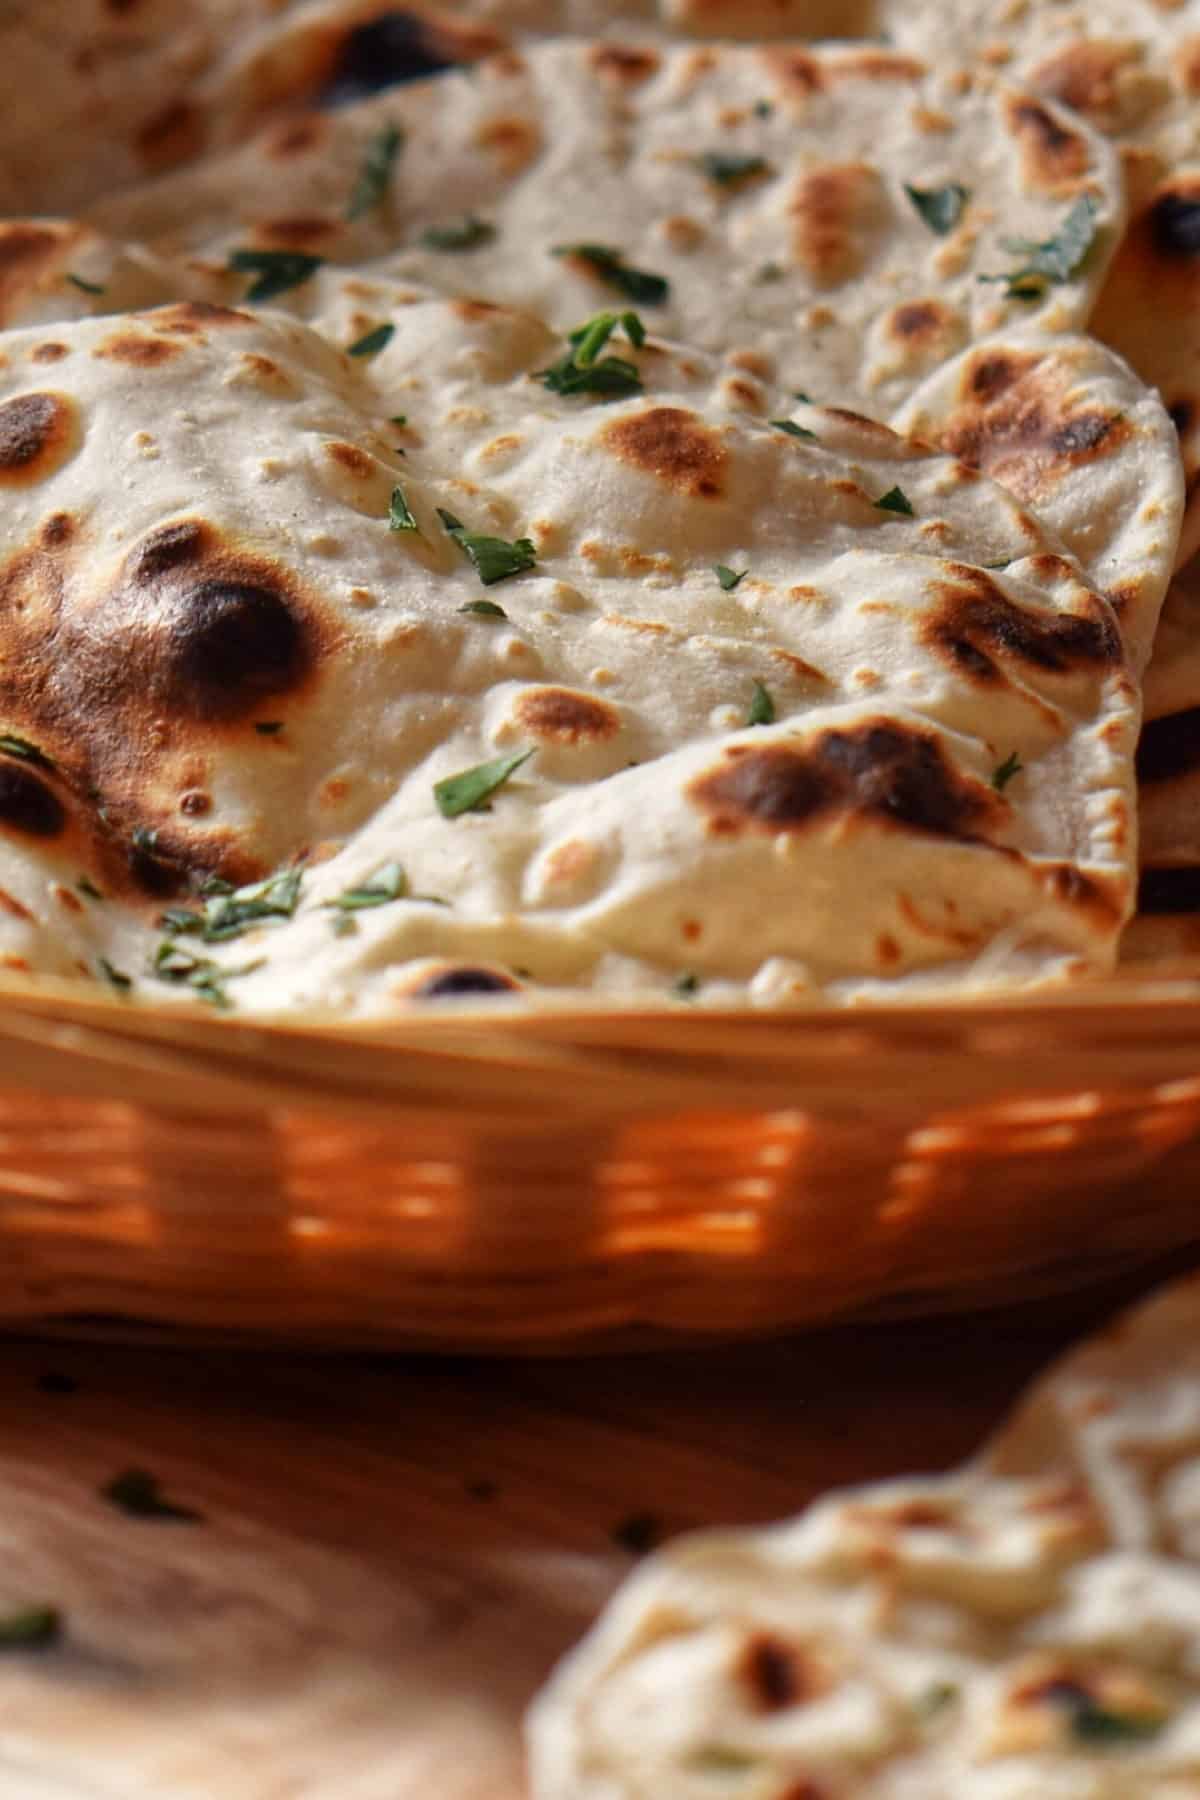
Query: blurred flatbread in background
x=1025 y=1628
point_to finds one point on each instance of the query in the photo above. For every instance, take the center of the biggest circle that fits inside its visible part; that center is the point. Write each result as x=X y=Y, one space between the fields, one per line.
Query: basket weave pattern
x=534 y=1182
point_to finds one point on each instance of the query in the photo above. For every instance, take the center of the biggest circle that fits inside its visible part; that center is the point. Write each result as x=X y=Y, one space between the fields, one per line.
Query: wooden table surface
x=395 y=1550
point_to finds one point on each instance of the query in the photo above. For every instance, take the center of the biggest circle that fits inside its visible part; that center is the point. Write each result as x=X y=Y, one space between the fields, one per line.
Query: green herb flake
x=494 y=559
x=1056 y=259
x=175 y=963
x=763 y=109
x=582 y=370
x=729 y=578
x=794 y=430
x=728 y=169
x=467 y=791
x=32 y=1628
x=467 y=233
x=138 y=1493
x=686 y=986
x=398 y=419
x=85 y=287
x=370 y=190
x=372 y=342
x=1003 y=773
x=19 y=746
x=230 y=911
x=344 y=926
x=762 y=707
x=116 y=978
x=275 y=271
x=633 y=328
x=88 y=887
x=484 y=609
x=715 y=1759
x=636 y=284
x=268 y=727
x=400 y=515
x=935 y=1699
x=895 y=501
x=1092 y=1723
x=387 y=883
x=940 y=208
x=770 y=271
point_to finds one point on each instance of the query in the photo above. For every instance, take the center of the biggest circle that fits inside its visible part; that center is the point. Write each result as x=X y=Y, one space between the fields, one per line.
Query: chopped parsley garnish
x=467 y=233
x=33 y=1628
x=686 y=985
x=230 y=911
x=484 y=609
x=762 y=707
x=275 y=270
x=1056 y=259
x=639 y=1533
x=582 y=370
x=1092 y=1722
x=19 y=746
x=371 y=342
x=1003 y=773
x=940 y=208
x=729 y=578
x=935 y=1699
x=714 y=1759
x=387 y=883
x=792 y=429
x=86 y=287
x=116 y=978
x=494 y=559
x=1096 y=1724
x=400 y=517
x=88 y=887
x=636 y=284
x=763 y=109
x=895 y=501
x=370 y=190
x=268 y=727
x=727 y=169
x=175 y=963
x=398 y=419
x=138 y=1493
x=467 y=791
x=770 y=271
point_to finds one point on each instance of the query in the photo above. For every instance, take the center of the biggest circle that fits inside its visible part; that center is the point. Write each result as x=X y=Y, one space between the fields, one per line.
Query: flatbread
x=802 y=254
x=224 y=664
x=1027 y=1628
x=1073 y=433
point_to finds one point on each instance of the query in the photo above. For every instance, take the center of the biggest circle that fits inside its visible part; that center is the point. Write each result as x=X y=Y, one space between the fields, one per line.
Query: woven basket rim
x=1133 y=996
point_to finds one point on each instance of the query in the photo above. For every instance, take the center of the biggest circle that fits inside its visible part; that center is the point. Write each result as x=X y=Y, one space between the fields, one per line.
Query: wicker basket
x=522 y=1182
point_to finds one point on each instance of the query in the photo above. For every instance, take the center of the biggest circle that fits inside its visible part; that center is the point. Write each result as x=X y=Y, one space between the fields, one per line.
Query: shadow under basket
x=523 y=1182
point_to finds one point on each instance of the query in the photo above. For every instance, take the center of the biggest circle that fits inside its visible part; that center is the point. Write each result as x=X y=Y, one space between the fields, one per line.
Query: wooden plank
x=396 y=1550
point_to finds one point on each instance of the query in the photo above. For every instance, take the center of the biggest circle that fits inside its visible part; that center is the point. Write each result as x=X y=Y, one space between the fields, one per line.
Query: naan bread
x=220 y=662
x=1069 y=429
x=99 y=93
x=1025 y=1629
x=797 y=249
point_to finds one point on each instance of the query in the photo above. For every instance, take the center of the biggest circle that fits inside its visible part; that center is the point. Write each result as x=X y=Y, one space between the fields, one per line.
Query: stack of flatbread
x=521 y=498
x=1026 y=1628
